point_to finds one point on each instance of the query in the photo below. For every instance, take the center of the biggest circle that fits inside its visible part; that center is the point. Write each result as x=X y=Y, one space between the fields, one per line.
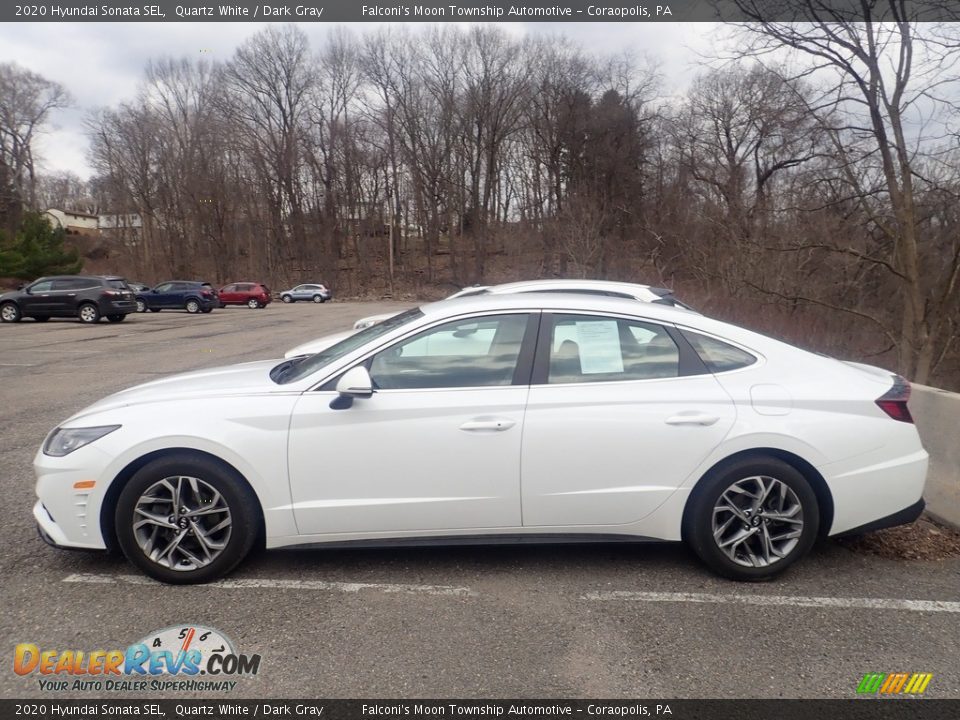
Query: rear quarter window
x=717 y=355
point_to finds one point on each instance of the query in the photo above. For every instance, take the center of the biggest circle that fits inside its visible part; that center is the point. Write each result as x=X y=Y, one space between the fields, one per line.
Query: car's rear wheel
x=9 y=312
x=192 y=306
x=253 y=303
x=88 y=313
x=116 y=318
x=141 y=306
x=753 y=519
x=286 y=298
x=318 y=298
x=184 y=519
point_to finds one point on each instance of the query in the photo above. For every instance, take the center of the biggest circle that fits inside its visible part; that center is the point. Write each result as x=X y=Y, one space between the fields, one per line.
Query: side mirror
x=354 y=383
x=21 y=286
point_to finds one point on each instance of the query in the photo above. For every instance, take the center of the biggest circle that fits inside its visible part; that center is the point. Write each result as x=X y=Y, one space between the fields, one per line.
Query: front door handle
x=692 y=418
x=488 y=425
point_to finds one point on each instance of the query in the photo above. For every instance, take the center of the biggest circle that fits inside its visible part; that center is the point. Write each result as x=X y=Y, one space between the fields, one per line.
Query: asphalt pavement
x=599 y=621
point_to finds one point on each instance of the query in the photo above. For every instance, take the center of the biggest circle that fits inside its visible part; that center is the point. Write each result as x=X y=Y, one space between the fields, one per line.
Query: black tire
x=10 y=312
x=318 y=298
x=41 y=318
x=286 y=298
x=88 y=313
x=192 y=306
x=154 y=309
x=699 y=518
x=116 y=318
x=253 y=304
x=235 y=493
x=141 y=306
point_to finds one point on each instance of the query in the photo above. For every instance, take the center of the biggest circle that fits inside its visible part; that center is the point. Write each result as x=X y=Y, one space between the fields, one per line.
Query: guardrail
x=937 y=414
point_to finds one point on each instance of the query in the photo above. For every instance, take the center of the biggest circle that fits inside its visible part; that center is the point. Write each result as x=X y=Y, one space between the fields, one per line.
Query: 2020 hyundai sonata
x=509 y=416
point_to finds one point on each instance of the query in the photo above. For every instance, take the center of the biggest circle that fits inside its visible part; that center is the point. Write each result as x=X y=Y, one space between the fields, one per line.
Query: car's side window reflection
x=586 y=348
x=478 y=352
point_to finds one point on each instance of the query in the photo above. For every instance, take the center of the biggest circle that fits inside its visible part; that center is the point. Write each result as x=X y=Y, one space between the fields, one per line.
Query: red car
x=253 y=295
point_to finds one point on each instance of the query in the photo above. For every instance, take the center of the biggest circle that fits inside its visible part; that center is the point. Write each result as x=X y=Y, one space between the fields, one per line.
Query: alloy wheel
x=182 y=523
x=89 y=314
x=757 y=521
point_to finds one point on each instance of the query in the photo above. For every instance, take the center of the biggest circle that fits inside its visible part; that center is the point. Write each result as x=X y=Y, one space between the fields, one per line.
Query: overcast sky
x=102 y=63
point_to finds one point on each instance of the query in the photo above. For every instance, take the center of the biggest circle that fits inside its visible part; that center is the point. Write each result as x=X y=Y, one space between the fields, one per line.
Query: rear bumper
x=117 y=307
x=902 y=517
x=876 y=489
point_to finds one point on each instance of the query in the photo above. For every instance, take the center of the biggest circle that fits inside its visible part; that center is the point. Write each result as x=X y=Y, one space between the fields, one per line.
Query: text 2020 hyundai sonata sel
x=519 y=416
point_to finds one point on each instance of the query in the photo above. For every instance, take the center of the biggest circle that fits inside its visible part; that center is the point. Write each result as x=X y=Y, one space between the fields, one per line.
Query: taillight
x=205 y=293
x=112 y=293
x=894 y=401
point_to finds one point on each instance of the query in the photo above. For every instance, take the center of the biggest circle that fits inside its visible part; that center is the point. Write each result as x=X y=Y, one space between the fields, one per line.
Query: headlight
x=64 y=441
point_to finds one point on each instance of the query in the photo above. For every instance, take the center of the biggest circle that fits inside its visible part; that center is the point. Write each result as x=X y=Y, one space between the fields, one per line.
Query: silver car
x=314 y=292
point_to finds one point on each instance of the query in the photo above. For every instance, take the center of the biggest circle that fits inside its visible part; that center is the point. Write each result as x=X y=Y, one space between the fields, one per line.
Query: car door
x=437 y=446
x=158 y=297
x=63 y=295
x=620 y=413
x=36 y=298
x=228 y=294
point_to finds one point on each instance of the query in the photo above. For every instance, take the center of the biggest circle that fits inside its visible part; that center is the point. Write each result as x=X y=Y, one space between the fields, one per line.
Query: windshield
x=299 y=367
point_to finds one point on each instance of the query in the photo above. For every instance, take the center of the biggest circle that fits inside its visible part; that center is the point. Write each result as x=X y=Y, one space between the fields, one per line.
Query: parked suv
x=190 y=295
x=314 y=292
x=87 y=297
x=253 y=295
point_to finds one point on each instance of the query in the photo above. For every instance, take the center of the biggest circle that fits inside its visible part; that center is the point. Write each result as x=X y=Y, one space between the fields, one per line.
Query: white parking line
x=784 y=600
x=344 y=587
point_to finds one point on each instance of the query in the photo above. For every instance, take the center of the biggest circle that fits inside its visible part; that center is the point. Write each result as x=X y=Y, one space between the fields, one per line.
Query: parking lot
x=533 y=621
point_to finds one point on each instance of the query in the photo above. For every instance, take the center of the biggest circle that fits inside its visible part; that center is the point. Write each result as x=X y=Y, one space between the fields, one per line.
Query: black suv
x=88 y=297
x=190 y=295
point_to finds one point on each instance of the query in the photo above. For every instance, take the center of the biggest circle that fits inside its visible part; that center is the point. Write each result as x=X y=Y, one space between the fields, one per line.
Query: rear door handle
x=488 y=425
x=692 y=418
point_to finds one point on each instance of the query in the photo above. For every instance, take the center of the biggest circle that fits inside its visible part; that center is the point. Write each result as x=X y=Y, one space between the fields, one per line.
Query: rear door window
x=590 y=348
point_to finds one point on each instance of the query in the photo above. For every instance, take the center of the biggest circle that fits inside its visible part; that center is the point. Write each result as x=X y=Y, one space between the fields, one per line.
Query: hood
x=318 y=345
x=246 y=378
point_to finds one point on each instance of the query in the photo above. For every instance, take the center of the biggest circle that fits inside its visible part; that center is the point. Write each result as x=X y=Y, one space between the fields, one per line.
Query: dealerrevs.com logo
x=889 y=684
x=180 y=657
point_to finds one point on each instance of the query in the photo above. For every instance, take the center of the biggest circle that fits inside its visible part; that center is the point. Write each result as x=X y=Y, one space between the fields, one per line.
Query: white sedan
x=605 y=288
x=624 y=420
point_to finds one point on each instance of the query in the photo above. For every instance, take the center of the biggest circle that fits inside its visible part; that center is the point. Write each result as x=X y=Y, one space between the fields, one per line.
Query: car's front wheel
x=9 y=312
x=141 y=305
x=753 y=519
x=184 y=519
x=192 y=306
x=88 y=313
x=286 y=298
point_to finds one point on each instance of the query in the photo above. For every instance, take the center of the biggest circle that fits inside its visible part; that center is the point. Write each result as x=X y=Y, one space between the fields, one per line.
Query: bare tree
x=886 y=70
x=26 y=101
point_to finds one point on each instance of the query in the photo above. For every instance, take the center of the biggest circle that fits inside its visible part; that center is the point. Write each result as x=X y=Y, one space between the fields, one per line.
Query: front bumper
x=52 y=534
